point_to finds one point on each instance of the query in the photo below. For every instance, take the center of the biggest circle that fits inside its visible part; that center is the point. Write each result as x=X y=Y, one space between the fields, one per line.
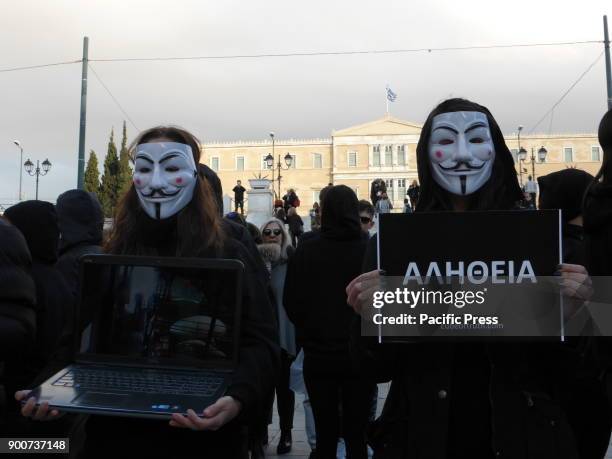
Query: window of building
x=401 y=188
x=293 y=163
x=352 y=159
x=315 y=195
x=388 y=155
x=214 y=163
x=317 y=160
x=376 y=155
x=390 y=188
x=595 y=154
x=568 y=154
x=239 y=163
x=401 y=155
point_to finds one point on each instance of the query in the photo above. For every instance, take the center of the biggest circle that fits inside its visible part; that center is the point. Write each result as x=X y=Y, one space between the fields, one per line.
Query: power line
x=322 y=53
x=15 y=69
x=338 y=53
x=567 y=92
x=114 y=98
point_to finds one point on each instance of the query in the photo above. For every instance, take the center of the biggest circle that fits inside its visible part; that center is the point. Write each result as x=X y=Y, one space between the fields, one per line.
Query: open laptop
x=163 y=337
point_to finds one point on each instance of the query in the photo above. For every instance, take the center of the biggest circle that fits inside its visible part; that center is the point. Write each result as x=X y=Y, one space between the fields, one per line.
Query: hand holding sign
x=361 y=289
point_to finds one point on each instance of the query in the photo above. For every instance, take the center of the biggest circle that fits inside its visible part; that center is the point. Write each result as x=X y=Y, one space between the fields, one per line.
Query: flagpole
x=387 y=99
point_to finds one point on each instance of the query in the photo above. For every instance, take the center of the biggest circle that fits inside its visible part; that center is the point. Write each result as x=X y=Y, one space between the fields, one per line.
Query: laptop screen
x=175 y=312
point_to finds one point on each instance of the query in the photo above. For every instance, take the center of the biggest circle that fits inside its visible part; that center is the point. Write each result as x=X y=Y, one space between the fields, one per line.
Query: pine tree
x=92 y=174
x=110 y=179
x=125 y=171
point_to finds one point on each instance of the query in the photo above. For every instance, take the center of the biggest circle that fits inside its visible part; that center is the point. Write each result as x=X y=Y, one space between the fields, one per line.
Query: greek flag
x=391 y=96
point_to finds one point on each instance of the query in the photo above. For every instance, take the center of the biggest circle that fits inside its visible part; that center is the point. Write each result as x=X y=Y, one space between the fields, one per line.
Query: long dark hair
x=198 y=225
x=501 y=191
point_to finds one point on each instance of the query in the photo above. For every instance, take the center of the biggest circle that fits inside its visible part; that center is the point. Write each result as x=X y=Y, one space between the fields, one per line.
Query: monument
x=260 y=201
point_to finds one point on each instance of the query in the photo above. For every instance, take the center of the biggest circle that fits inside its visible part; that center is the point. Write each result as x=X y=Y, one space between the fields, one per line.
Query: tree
x=125 y=171
x=110 y=180
x=92 y=174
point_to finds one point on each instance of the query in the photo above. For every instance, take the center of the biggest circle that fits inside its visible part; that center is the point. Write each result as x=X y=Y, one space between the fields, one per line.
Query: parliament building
x=385 y=149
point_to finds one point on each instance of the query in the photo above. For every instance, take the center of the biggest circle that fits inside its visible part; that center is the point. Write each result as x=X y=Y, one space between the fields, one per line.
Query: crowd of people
x=303 y=293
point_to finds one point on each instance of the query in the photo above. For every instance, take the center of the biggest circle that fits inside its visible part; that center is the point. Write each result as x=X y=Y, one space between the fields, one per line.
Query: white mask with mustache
x=461 y=151
x=165 y=176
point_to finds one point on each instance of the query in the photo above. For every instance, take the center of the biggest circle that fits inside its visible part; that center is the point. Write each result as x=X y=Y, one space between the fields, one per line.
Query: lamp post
x=522 y=154
x=18 y=143
x=29 y=167
x=270 y=163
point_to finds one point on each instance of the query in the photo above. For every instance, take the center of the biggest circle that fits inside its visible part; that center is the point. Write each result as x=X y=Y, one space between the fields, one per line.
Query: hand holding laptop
x=215 y=416
x=29 y=409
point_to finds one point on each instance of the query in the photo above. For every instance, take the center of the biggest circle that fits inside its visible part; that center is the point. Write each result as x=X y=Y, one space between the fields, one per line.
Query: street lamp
x=18 y=143
x=522 y=154
x=270 y=163
x=29 y=168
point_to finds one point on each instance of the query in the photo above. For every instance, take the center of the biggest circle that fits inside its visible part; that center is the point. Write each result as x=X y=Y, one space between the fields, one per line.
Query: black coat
x=515 y=394
x=315 y=296
x=37 y=221
x=598 y=229
x=17 y=309
x=81 y=220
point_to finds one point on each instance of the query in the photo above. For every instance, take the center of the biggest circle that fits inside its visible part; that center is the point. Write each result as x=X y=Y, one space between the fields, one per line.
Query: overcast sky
x=296 y=97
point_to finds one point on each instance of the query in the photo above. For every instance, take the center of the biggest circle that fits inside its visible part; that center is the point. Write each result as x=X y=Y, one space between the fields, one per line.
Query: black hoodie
x=81 y=220
x=319 y=271
x=37 y=221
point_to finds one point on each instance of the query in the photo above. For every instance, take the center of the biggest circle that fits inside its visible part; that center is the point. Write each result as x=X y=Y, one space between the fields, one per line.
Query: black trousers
x=239 y=204
x=285 y=398
x=330 y=386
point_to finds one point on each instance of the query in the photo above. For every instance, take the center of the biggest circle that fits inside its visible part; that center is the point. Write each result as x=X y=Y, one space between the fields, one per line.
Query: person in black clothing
x=296 y=225
x=329 y=260
x=239 y=197
x=377 y=188
x=37 y=221
x=598 y=207
x=413 y=193
x=17 y=317
x=471 y=399
x=81 y=221
x=565 y=190
x=186 y=226
x=290 y=200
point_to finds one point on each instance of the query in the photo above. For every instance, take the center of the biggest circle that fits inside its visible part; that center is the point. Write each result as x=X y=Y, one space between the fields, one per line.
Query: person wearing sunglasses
x=366 y=215
x=276 y=251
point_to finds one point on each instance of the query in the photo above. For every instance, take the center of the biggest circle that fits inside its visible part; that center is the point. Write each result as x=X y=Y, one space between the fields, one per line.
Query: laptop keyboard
x=204 y=385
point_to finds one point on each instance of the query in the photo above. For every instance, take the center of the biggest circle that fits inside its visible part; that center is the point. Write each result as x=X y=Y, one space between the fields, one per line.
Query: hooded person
x=81 y=220
x=467 y=399
x=37 y=221
x=17 y=313
x=170 y=211
x=315 y=300
x=598 y=207
x=565 y=190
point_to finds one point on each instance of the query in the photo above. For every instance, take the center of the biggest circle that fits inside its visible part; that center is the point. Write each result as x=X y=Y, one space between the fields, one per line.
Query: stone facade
x=384 y=148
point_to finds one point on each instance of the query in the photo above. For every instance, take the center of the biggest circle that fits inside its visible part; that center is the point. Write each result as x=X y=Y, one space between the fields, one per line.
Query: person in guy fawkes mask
x=460 y=400
x=170 y=211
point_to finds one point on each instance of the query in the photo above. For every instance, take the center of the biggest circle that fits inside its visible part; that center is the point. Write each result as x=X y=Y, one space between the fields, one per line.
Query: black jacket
x=598 y=229
x=37 y=221
x=515 y=394
x=81 y=220
x=17 y=293
x=314 y=294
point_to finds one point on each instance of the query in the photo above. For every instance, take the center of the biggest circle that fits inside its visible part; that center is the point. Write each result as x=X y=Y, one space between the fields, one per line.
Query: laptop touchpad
x=99 y=399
